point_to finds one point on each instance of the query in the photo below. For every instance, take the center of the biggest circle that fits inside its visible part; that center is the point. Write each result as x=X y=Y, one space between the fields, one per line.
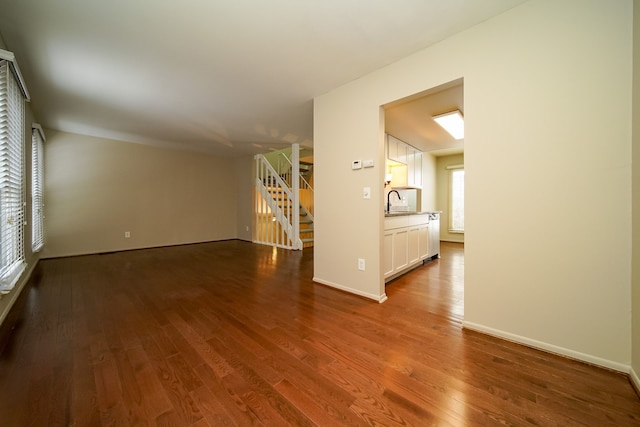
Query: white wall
x=543 y=82
x=96 y=189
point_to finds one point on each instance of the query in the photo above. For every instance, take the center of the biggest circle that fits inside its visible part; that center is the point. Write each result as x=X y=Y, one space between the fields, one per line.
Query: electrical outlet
x=127 y=234
x=361 y=264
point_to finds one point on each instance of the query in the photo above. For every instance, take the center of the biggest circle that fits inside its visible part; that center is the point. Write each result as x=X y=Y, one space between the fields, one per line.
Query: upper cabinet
x=414 y=168
x=400 y=152
x=392 y=148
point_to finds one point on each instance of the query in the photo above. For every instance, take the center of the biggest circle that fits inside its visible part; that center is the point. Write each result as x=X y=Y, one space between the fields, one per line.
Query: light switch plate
x=366 y=193
x=368 y=163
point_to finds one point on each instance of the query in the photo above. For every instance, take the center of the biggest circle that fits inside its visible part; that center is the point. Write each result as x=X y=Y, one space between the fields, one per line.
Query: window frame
x=37 y=187
x=453 y=227
x=13 y=95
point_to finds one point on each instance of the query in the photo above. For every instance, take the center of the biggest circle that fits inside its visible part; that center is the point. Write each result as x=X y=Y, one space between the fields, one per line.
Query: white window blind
x=37 y=188
x=11 y=177
x=456 y=197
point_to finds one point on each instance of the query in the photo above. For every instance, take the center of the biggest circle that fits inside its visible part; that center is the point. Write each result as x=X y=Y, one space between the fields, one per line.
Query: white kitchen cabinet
x=413 y=244
x=398 y=151
x=387 y=254
x=392 y=148
x=405 y=243
x=423 y=232
x=414 y=168
x=417 y=169
x=403 y=151
x=400 y=250
x=411 y=169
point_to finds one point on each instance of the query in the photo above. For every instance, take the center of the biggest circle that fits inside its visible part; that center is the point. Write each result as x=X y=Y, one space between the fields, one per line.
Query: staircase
x=285 y=205
x=283 y=200
x=306 y=230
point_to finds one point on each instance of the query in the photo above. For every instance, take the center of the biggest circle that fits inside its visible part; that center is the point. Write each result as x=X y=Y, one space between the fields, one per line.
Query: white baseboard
x=594 y=360
x=7 y=301
x=379 y=298
x=635 y=380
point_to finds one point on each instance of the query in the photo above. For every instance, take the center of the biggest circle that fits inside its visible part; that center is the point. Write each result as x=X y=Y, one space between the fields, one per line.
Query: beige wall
x=547 y=242
x=244 y=194
x=96 y=189
x=635 y=300
x=442 y=195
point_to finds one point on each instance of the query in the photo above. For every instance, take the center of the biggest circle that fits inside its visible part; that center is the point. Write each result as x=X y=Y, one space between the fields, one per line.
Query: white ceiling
x=411 y=119
x=227 y=77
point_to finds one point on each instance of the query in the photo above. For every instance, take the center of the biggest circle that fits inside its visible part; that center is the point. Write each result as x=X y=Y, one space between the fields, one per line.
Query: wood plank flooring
x=232 y=333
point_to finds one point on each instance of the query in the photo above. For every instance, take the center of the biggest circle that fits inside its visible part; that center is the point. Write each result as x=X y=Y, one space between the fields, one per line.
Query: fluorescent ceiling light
x=452 y=122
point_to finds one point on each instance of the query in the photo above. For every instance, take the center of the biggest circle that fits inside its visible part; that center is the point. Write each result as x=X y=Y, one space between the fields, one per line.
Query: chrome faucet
x=389 y=199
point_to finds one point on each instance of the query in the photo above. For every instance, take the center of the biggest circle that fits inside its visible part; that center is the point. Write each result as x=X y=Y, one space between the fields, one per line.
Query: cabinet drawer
x=419 y=219
x=396 y=222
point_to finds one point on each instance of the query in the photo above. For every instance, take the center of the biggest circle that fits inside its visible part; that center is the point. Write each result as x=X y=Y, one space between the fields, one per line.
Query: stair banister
x=295 y=189
x=306 y=186
x=283 y=215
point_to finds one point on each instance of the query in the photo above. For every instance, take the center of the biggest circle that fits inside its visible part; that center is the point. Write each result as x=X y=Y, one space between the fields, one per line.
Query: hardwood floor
x=231 y=333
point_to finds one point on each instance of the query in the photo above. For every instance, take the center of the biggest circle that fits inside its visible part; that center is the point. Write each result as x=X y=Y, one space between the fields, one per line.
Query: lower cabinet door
x=423 y=233
x=400 y=250
x=414 y=245
x=387 y=256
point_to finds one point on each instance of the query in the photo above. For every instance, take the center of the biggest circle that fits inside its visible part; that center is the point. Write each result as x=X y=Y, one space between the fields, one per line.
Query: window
x=12 y=97
x=37 y=201
x=456 y=200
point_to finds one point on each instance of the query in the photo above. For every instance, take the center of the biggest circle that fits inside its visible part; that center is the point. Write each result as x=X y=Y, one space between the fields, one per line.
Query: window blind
x=11 y=178
x=37 y=188
x=456 y=217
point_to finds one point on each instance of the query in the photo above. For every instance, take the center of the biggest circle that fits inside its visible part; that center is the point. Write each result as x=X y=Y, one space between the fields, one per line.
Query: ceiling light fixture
x=452 y=122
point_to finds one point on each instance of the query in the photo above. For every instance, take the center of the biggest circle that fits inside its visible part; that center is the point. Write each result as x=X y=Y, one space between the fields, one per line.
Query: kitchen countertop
x=392 y=214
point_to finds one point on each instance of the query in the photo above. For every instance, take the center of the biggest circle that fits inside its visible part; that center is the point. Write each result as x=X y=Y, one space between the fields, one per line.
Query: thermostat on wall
x=356 y=164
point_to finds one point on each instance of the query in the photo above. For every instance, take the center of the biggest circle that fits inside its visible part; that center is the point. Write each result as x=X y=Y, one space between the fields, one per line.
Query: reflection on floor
x=437 y=286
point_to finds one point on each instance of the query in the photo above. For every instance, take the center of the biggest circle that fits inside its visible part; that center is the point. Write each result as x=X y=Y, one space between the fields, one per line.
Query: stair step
x=307 y=240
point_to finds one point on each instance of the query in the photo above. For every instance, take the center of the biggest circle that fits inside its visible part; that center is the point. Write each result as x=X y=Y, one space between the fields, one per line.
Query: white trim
x=12 y=296
x=634 y=379
x=594 y=360
x=40 y=131
x=9 y=56
x=37 y=187
x=379 y=298
x=452 y=241
x=454 y=167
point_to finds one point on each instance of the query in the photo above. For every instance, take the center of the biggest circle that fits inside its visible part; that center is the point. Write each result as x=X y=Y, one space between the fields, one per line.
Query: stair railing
x=305 y=189
x=277 y=219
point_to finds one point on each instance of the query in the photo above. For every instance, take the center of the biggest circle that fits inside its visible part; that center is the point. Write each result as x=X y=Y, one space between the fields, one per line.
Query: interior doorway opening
x=441 y=187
